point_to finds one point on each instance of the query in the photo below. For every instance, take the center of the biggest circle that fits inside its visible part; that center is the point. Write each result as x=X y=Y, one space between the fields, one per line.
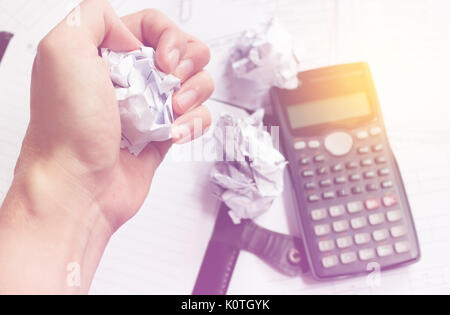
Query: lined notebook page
x=161 y=249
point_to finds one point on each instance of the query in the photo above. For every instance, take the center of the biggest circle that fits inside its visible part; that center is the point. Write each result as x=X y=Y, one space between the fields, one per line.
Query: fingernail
x=181 y=134
x=174 y=59
x=184 y=69
x=186 y=100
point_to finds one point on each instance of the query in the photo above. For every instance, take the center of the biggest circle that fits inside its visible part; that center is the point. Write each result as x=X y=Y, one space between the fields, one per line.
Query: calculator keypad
x=357 y=216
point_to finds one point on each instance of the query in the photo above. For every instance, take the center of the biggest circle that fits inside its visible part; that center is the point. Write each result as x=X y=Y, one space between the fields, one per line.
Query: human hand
x=71 y=168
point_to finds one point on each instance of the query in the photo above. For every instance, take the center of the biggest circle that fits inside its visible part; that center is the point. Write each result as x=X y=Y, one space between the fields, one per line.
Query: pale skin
x=73 y=187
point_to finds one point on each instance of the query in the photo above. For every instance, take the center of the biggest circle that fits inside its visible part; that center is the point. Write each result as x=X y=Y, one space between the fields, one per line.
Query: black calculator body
x=353 y=210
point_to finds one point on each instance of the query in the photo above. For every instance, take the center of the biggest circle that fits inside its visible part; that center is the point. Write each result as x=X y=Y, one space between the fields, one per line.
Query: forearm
x=52 y=235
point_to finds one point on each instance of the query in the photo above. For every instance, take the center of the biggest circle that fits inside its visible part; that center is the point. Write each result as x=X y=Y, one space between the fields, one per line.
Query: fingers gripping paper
x=144 y=95
x=250 y=176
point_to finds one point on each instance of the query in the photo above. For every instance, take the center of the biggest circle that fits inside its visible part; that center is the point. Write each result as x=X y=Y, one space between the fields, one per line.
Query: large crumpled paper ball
x=249 y=176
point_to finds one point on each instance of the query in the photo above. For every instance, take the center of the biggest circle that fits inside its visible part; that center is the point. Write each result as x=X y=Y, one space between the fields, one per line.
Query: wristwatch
x=284 y=253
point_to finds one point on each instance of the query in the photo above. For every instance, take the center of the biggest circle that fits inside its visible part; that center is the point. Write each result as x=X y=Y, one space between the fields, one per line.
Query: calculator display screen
x=327 y=110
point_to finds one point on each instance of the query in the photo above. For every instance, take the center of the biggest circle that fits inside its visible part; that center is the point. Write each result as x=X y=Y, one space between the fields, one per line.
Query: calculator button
x=336 y=211
x=398 y=231
x=385 y=250
x=380 y=235
x=361 y=135
x=339 y=143
x=366 y=163
x=362 y=238
x=319 y=214
x=314 y=144
x=322 y=171
x=308 y=173
x=371 y=187
x=304 y=161
x=342 y=193
x=299 y=145
x=384 y=172
x=366 y=254
x=359 y=223
x=376 y=219
x=348 y=258
x=337 y=168
x=310 y=186
x=354 y=177
x=325 y=183
x=369 y=175
x=357 y=190
x=326 y=246
x=322 y=230
x=340 y=226
x=394 y=216
x=313 y=198
x=363 y=150
x=344 y=242
x=319 y=158
x=354 y=207
x=351 y=165
x=328 y=195
x=387 y=184
x=380 y=160
x=330 y=261
x=375 y=131
x=340 y=180
x=372 y=204
x=377 y=148
x=390 y=200
x=402 y=247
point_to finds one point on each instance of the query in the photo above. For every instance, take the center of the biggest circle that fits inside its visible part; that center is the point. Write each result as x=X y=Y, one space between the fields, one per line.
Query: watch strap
x=283 y=252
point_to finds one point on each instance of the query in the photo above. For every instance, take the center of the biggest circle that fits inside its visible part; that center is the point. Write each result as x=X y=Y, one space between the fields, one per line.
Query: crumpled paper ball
x=249 y=175
x=144 y=95
x=267 y=55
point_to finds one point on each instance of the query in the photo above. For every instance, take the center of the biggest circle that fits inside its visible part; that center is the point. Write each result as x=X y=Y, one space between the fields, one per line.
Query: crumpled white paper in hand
x=144 y=95
x=250 y=175
x=267 y=55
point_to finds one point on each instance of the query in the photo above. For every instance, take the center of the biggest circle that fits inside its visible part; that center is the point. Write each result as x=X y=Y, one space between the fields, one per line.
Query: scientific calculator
x=353 y=210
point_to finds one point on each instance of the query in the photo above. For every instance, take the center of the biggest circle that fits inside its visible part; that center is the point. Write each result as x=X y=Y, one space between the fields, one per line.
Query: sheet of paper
x=160 y=250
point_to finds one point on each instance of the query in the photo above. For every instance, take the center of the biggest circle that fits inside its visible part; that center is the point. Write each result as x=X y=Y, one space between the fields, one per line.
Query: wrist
x=54 y=228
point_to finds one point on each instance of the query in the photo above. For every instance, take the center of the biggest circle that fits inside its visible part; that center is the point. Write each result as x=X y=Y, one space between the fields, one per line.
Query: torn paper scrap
x=267 y=56
x=144 y=95
x=249 y=175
